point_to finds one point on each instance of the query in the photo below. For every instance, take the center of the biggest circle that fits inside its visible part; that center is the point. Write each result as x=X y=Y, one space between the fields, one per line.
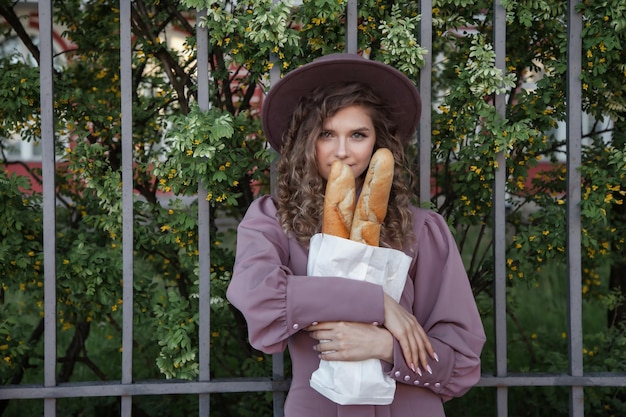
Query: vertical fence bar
x=574 y=268
x=204 y=231
x=274 y=77
x=499 y=222
x=49 y=200
x=351 y=27
x=126 y=75
x=425 y=88
x=278 y=375
x=278 y=359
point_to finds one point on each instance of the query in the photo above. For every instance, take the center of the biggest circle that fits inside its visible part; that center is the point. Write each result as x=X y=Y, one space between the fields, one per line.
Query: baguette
x=371 y=208
x=339 y=201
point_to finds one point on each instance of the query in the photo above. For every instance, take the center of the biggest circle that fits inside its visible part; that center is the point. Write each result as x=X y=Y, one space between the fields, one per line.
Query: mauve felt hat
x=385 y=81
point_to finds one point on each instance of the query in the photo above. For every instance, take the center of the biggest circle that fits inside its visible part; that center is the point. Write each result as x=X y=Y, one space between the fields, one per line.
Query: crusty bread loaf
x=371 y=208
x=339 y=201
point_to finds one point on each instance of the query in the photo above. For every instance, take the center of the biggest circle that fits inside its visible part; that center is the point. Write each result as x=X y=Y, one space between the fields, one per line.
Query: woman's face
x=348 y=136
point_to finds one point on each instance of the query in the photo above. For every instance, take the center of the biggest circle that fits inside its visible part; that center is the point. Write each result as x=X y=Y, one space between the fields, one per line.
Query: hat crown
x=391 y=85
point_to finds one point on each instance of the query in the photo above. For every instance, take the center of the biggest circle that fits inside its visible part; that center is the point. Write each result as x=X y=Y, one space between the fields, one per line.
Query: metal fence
x=126 y=389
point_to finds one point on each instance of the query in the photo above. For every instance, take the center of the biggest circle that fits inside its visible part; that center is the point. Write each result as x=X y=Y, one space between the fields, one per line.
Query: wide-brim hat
x=391 y=85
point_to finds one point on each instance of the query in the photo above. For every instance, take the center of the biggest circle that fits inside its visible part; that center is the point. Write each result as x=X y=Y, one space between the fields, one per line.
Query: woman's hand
x=409 y=333
x=351 y=341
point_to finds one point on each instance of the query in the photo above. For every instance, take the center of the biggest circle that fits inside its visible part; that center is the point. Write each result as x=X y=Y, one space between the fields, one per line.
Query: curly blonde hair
x=300 y=187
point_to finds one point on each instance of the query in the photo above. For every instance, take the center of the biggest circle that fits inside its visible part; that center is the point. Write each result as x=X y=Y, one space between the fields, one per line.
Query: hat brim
x=385 y=81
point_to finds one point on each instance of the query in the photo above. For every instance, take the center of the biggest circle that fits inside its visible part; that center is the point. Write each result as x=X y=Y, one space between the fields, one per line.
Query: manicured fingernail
x=314 y=323
x=419 y=371
x=412 y=367
x=430 y=371
x=436 y=356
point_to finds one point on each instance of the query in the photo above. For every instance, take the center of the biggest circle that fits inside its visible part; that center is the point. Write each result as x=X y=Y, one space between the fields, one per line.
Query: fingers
x=413 y=340
x=323 y=333
x=352 y=341
x=325 y=348
x=425 y=349
x=411 y=344
x=404 y=327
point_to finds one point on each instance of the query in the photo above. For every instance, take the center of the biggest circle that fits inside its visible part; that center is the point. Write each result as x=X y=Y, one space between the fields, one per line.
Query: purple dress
x=271 y=288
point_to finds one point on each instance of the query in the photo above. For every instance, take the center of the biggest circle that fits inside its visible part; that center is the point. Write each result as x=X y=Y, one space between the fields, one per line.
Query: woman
x=345 y=107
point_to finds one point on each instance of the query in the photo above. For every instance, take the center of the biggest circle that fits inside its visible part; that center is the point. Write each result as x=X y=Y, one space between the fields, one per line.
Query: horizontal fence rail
x=126 y=389
x=115 y=389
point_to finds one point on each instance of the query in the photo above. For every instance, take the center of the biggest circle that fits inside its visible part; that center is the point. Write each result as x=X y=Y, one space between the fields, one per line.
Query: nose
x=342 y=150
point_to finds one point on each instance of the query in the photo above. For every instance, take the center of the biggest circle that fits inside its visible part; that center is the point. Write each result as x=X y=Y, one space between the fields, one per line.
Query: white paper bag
x=360 y=382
